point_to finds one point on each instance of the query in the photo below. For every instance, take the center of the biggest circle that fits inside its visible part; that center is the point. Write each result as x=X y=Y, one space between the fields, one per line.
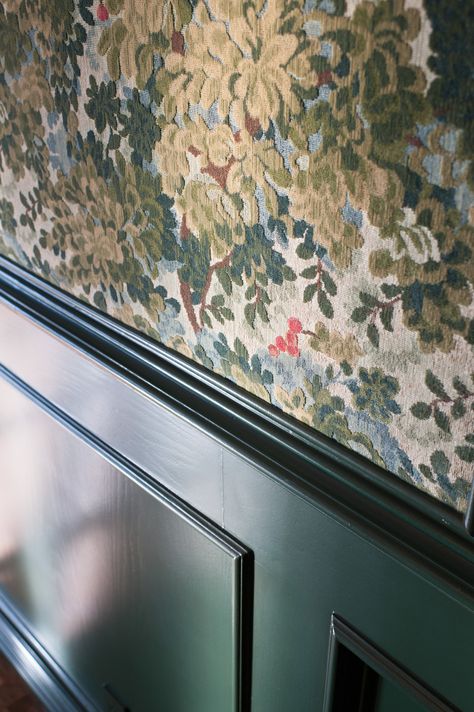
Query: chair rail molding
x=356 y=491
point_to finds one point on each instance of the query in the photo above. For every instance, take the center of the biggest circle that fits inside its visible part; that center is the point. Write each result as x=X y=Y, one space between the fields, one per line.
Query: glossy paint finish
x=392 y=699
x=134 y=596
x=311 y=558
x=242 y=421
x=116 y=413
x=82 y=387
x=361 y=677
x=308 y=566
x=51 y=684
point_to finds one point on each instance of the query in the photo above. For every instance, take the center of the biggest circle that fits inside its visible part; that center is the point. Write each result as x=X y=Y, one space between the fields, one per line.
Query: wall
x=281 y=191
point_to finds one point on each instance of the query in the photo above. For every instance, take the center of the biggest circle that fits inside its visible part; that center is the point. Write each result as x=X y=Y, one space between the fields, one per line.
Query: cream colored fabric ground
x=279 y=190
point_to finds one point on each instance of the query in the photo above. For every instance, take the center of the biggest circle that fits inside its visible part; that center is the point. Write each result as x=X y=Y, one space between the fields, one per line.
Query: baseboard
x=46 y=679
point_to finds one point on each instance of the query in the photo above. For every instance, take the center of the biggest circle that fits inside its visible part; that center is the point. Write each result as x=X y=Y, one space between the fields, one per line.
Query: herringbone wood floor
x=15 y=695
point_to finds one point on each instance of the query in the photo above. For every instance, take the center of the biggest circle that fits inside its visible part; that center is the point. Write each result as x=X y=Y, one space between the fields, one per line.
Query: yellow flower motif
x=270 y=65
x=226 y=10
x=206 y=206
x=319 y=191
x=440 y=313
x=171 y=152
x=318 y=195
x=130 y=42
x=335 y=345
x=18 y=124
x=245 y=64
x=99 y=246
x=213 y=175
x=412 y=241
x=91 y=192
x=32 y=88
x=199 y=74
x=294 y=403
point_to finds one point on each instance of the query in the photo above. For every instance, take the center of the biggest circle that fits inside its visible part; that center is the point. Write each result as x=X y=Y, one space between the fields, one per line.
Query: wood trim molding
x=47 y=680
x=355 y=490
x=32 y=660
x=379 y=665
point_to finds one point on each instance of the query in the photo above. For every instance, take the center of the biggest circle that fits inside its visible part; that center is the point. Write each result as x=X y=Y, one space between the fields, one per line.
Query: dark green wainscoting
x=168 y=544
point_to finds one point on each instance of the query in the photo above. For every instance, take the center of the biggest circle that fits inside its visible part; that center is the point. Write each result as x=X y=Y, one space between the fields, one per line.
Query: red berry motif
x=102 y=12
x=294 y=325
x=292 y=339
x=290 y=344
x=280 y=343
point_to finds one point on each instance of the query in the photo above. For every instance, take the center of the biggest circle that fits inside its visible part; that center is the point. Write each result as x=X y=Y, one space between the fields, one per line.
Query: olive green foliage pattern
x=281 y=191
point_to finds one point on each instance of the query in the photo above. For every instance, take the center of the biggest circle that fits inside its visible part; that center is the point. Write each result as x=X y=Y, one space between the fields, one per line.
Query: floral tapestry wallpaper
x=280 y=190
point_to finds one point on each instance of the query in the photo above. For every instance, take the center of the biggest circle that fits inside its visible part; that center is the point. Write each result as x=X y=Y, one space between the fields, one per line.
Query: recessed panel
x=363 y=678
x=392 y=698
x=180 y=457
x=134 y=596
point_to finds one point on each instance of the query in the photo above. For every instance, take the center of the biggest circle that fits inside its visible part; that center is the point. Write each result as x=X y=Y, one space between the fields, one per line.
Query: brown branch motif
x=212 y=269
x=319 y=271
x=382 y=306
x=185 y=292
x=447 y=400
x=186 y=295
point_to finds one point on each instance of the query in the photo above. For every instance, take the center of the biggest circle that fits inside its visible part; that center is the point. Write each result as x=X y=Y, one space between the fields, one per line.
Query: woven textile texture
x=281 y=190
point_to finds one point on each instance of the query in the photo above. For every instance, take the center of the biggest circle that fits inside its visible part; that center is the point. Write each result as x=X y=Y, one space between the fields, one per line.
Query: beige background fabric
x=281 y=191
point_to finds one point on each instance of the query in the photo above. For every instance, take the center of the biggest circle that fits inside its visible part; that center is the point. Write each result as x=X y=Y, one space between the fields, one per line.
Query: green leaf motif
x=218 y=300
x=426 y=472
x=309 y=292
x=114 y=142
x=227 y=314
x=386 y=316
x=225 y=281
x=251 y=291
x=442 y=420
x=309 y=272
x=458 y=409
x=329 y=373
x=325 y=305
x=421 y=410
x=440 y=463
x=329 y=284
x=360 y=314
x=262 y=312
x=465 y=452
x=184 y=11
x=99 y=300
x=240 y=349
x=249 y=312
x=460 y=387
x=435 y=385
x=346 y=368
x=368 y=300
x=373 y=335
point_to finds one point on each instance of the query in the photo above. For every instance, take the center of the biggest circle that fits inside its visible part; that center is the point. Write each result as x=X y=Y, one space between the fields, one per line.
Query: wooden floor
x=15 y=695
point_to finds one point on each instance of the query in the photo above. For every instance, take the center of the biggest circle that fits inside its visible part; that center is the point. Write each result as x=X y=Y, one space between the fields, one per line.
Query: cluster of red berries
x=102 y=12
x=290 y=343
